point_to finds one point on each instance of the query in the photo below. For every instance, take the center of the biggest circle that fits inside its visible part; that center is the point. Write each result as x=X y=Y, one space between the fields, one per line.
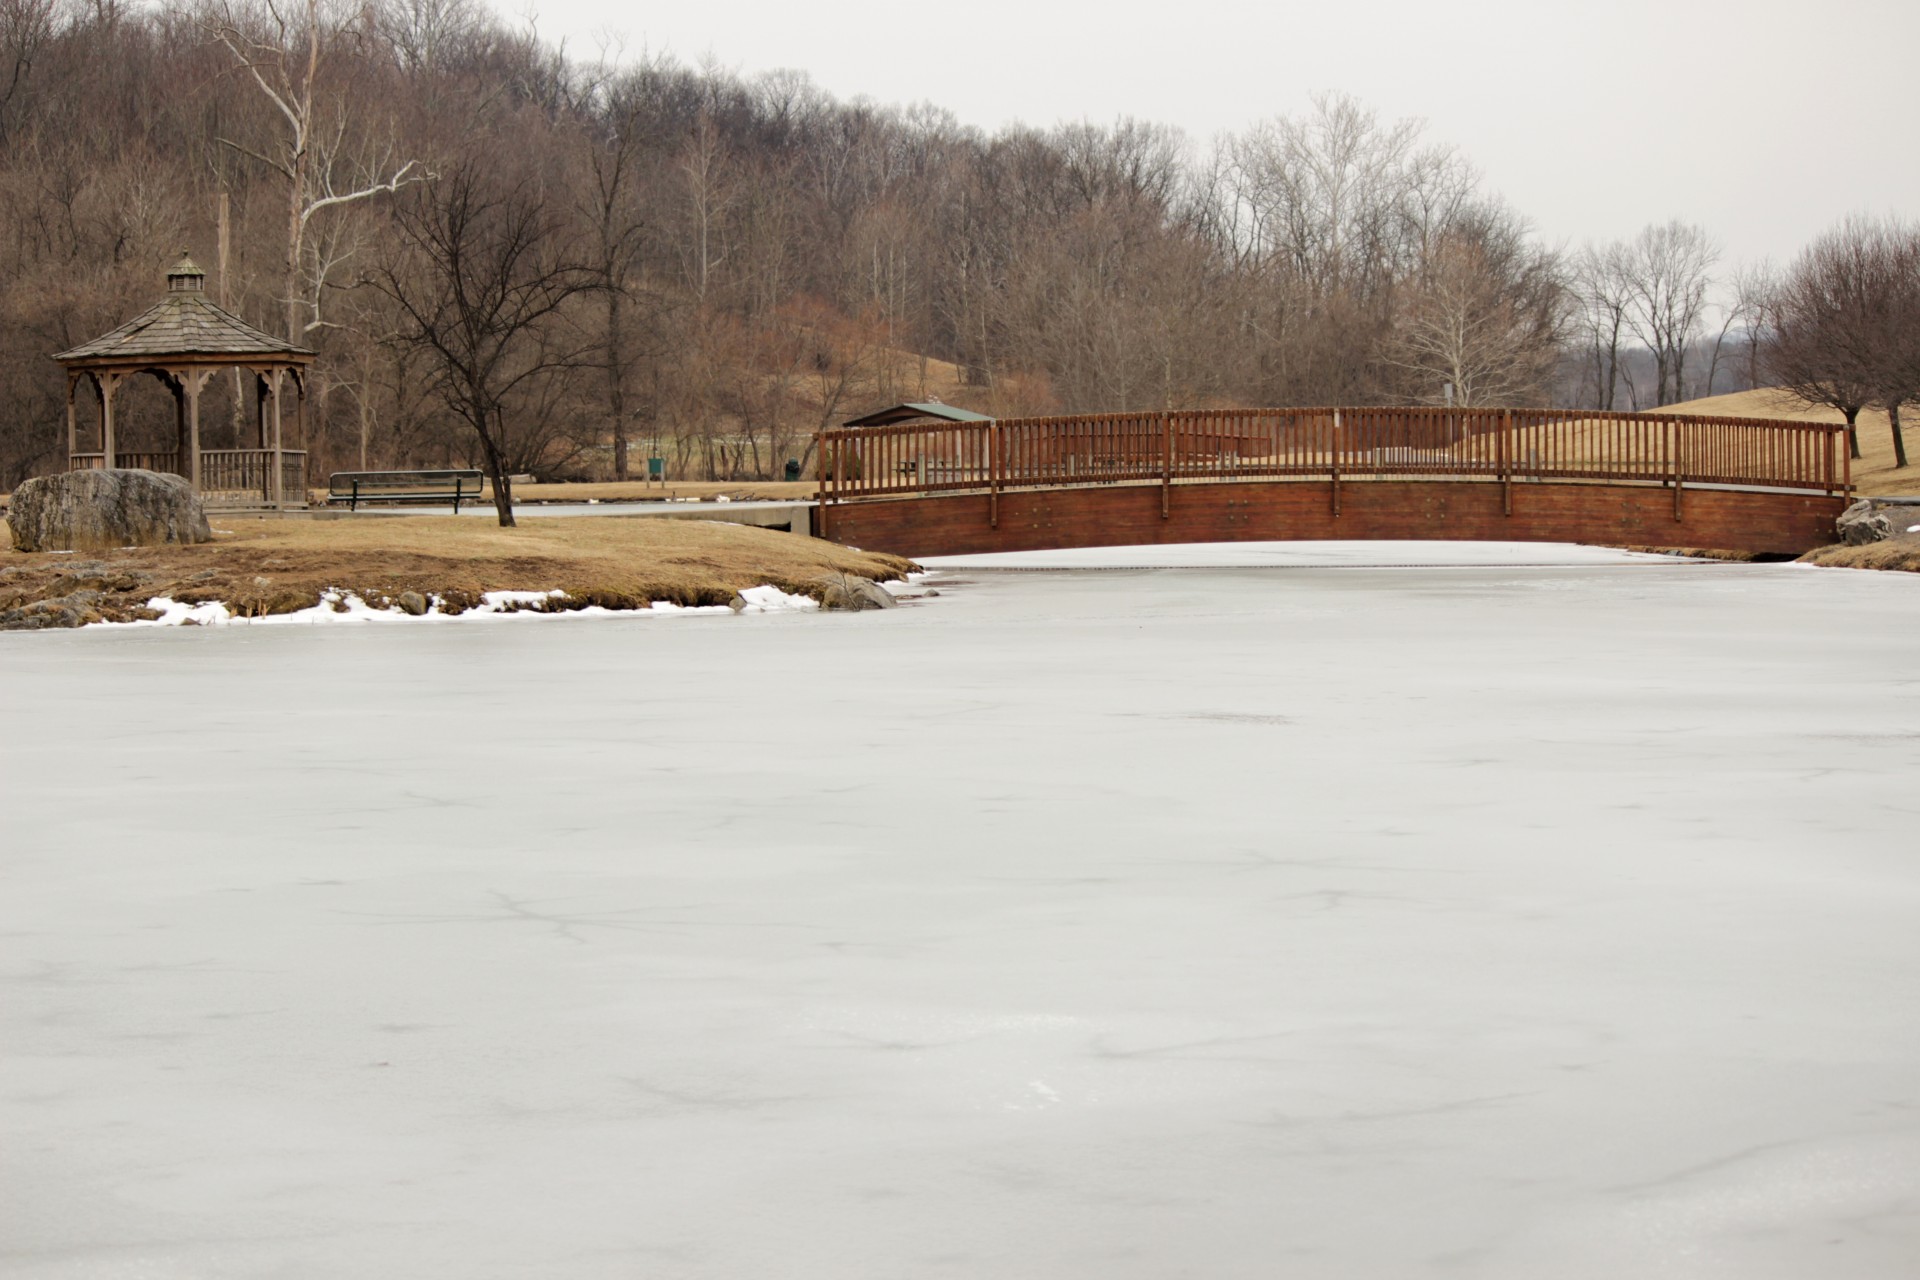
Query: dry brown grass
x=260 y=566
x=1900 y=553
x=1873 y=472
x=1702 y=553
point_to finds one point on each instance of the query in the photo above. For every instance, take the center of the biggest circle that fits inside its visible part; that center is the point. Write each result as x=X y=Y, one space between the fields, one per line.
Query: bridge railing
x=1341 y=444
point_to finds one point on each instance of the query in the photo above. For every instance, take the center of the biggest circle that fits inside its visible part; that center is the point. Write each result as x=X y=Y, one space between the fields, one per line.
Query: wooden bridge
x=1222 y=475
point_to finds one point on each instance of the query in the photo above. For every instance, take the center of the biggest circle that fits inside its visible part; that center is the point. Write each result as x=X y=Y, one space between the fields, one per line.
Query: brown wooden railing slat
x=1205 y=446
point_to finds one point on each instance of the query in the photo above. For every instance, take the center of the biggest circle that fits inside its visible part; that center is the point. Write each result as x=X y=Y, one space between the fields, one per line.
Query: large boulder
x=98 y=510
x=1863 y=522
x=851 y=592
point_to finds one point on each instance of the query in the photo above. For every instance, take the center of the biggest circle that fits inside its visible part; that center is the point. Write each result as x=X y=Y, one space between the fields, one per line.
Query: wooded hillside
x=483 y=235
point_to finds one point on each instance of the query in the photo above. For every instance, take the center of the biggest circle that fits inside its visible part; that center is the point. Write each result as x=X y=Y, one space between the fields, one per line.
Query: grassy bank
x=1900 y=553
x=267 y=566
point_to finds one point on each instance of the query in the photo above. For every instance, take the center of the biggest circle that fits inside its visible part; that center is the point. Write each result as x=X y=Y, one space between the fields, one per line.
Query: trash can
x=793 y=468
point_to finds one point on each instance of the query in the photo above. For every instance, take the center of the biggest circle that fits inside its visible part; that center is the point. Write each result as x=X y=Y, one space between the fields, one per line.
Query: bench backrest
x=374 y=483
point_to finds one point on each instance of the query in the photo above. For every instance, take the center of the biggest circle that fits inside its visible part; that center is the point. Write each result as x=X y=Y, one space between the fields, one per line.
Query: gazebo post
x=176 y=383
x=300 y=425
x=279 y=478
x=73 y=427
x=106 y=382
x=193 y=381
x=299 y=405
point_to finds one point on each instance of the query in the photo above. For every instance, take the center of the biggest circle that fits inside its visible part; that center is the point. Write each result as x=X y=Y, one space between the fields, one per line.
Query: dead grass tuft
x=1700 y=553
x=1900 y=553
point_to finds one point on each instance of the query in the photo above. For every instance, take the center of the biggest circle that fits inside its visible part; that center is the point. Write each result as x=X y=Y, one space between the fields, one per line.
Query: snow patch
x=337 y=606
x=668 y=606
x=507 y=601
x=774 y=600
x=173 y=613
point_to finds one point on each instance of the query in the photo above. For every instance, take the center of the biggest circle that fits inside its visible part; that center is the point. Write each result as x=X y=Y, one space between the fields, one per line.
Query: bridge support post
x=1679 y=470
x=993 y=474
x=820 y=483
x=1333 y=455
x=1506 y=462
x=1166 y=465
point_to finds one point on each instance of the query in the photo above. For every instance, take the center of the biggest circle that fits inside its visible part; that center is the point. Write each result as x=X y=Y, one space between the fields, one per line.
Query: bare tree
x=481 y=284
x=426 y=34
x=1896 y=349
x=1749 y=287
x=25 y=28
x=1486 y=319
x=616 y=143
x=286 y=51
x=1600 y=278
x=1838 y=327
x=1667 y=277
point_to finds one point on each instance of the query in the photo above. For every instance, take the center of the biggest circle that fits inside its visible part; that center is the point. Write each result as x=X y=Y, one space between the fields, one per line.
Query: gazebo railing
x=167 y=463
x=231 y=477
x=228 y=477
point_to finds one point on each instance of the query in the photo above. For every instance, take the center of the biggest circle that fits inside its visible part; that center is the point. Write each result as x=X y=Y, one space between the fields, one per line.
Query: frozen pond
x=1237 y=922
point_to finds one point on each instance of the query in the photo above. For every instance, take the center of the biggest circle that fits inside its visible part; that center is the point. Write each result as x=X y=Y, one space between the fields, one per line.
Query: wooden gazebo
x=183 y=341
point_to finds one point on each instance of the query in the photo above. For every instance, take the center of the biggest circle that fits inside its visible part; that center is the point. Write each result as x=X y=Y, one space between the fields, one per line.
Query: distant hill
x=1872 y=473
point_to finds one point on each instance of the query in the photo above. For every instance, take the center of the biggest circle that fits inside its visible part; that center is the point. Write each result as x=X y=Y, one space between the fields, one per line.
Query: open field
x=1873 y=472
x=261 y=566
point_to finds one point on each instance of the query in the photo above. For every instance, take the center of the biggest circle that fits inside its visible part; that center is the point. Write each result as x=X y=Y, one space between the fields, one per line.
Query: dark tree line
x=512 y=257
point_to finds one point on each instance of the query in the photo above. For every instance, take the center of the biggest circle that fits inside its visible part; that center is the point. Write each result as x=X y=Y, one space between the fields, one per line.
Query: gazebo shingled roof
x=183 y=323
x=183 y=340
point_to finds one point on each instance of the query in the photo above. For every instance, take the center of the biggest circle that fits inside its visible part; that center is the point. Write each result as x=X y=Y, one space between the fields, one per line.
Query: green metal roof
x=908 y=412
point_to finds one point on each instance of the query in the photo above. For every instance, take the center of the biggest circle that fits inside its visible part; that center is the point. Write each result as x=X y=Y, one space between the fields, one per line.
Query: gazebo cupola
x=186 y=277
x=184 y=340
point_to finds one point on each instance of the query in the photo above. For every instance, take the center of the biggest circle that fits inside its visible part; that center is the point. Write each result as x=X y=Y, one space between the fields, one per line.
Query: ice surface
x=1492 y=922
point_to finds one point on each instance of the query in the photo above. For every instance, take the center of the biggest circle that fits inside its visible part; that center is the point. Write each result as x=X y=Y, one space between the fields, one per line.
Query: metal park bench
x=356 y=487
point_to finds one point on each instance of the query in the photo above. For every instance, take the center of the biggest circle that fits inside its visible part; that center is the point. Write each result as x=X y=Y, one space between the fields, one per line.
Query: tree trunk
x=616 y=381
x=1853 y=430
x=293 y=264
x=1899 y=437
x=497 y=473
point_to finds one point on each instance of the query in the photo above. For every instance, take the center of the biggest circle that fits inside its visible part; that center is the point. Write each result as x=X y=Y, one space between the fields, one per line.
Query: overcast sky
x=1765 y=121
